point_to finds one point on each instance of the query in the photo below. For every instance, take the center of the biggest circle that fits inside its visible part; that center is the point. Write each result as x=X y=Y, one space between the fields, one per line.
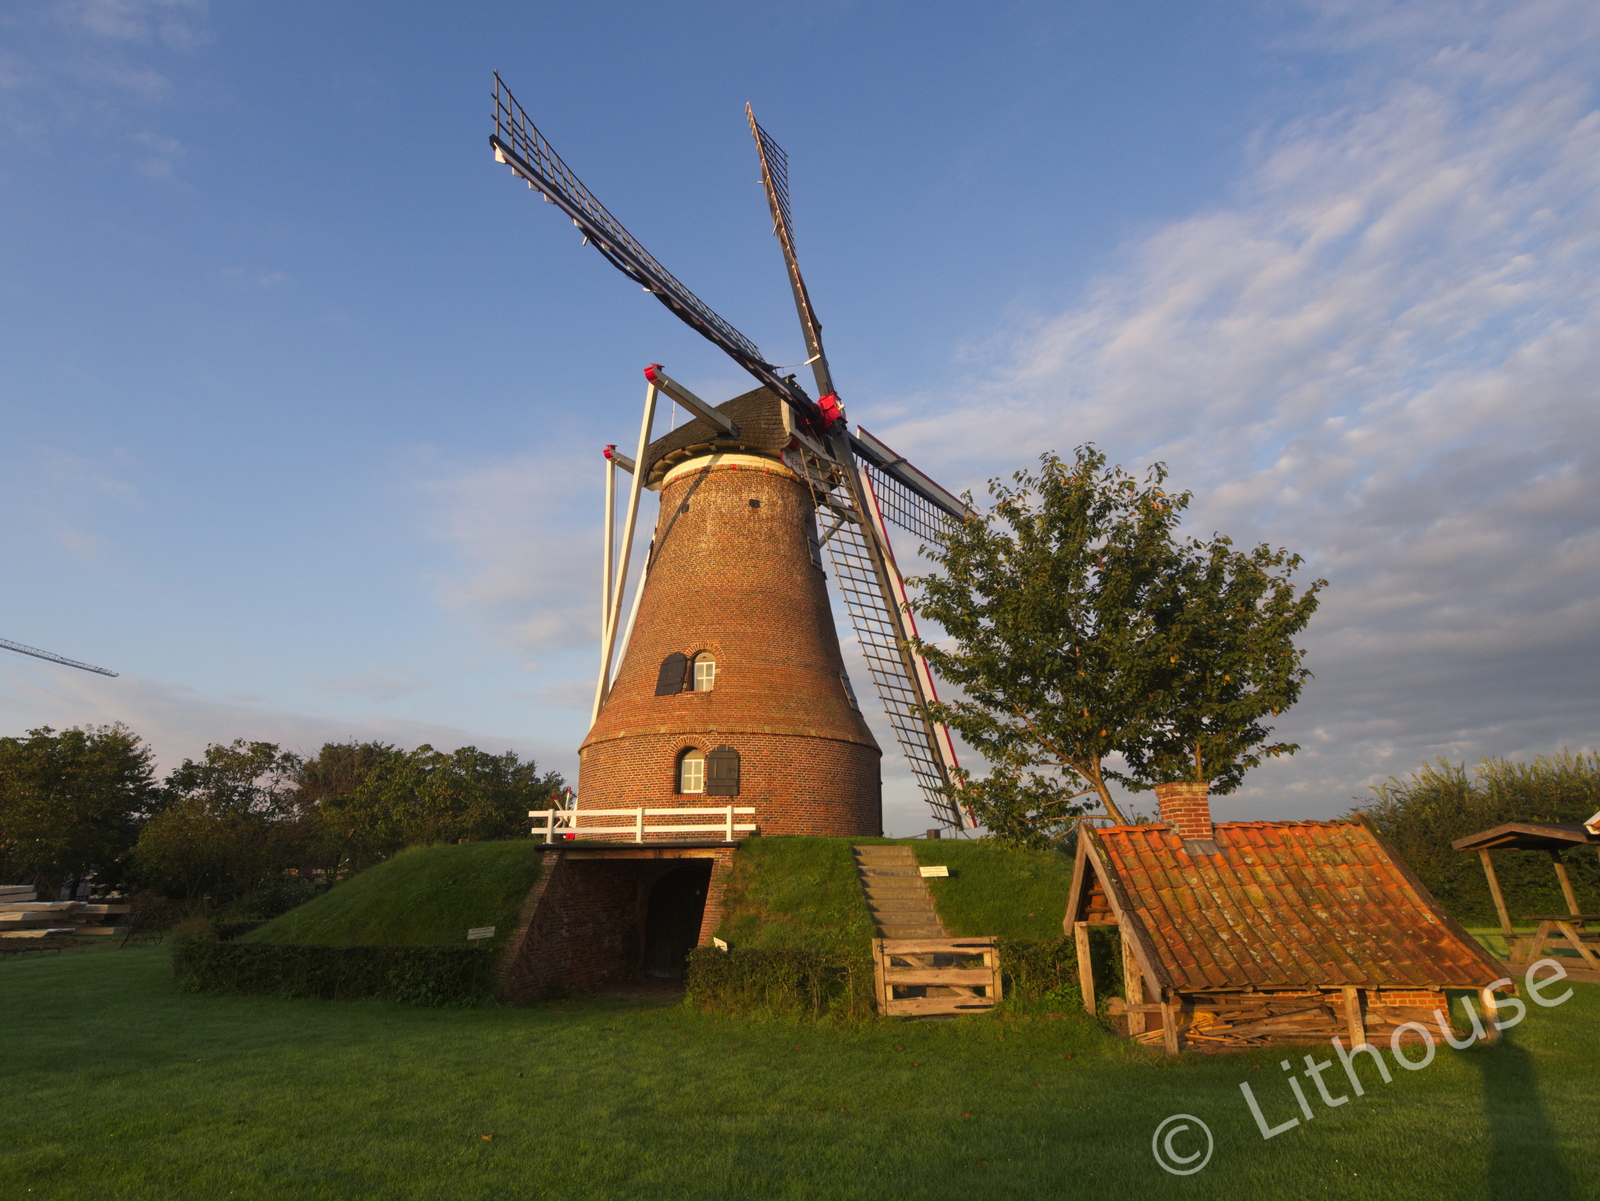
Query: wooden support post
x=1499 y=897
x=1132 y=986
x=880 y=988
x=1566 y=882
x=1352 y=1015
x=1080 y=936
x=1171 y=1007
x=1491 y=1013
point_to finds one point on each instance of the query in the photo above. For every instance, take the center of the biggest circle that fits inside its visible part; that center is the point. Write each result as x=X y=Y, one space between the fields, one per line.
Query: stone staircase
x=900 y=902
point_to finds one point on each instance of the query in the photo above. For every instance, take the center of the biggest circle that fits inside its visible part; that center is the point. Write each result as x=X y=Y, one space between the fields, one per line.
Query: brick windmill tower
x=724 y=685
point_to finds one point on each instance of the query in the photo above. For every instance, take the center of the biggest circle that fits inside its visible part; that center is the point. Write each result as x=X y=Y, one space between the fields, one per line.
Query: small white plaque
x=935 y=871
x=480 y=932
x=719 y=944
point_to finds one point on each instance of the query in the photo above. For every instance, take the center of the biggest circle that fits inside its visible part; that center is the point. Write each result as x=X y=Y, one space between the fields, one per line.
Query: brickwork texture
x=732 y=574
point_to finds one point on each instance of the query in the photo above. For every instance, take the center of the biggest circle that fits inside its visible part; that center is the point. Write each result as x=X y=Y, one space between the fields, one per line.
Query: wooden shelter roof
x=1279 y=905
x=1528 y=836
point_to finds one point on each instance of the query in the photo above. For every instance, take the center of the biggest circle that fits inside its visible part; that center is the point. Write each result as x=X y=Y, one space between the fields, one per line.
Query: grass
x=421 y=897
x=120 y=1087
x=797 y=892
x=804 y=892
x=995 y=891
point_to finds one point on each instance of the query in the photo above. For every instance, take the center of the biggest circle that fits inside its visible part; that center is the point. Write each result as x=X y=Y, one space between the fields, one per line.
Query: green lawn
x=118 y=1086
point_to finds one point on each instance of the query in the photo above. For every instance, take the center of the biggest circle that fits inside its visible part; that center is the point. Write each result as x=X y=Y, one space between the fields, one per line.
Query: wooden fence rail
x=574 y=823
x=952 y=975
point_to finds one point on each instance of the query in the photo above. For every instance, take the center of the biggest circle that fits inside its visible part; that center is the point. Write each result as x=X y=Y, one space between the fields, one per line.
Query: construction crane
x=46 y=655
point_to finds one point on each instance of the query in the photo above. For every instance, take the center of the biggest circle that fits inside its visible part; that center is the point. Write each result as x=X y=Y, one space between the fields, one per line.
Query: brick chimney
x=1186 y=807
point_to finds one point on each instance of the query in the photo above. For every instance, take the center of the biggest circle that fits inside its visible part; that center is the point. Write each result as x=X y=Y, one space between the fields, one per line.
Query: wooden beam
x=879 y=988
x=1132 y=984
x=1352 y=1015
x=1499 y=897
x=1171 y=1007
x=1080 y=935
x=1566 y=882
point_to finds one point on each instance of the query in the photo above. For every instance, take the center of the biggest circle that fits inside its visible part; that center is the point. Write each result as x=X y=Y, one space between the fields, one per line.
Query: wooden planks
x=941 y=969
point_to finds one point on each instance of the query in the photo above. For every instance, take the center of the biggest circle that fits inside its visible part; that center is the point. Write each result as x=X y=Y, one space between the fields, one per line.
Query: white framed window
x=705 y=673
x=692 y=771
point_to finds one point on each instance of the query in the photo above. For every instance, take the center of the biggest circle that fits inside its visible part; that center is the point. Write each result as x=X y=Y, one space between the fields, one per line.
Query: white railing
x=570 y=823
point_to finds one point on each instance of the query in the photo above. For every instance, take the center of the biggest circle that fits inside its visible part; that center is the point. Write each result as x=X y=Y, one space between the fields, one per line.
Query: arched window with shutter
x=722 y=772
x=692 y=771
x=703 y=673
x=673 y=670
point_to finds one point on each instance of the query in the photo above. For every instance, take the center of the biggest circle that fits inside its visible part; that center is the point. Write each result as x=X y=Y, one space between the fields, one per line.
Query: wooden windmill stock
x=856 y=483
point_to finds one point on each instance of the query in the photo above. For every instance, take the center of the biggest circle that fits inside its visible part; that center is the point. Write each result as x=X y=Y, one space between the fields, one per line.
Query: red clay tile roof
x=1284 y=905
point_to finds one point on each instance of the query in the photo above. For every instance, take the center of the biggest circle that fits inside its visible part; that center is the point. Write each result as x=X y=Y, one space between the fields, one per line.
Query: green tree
x=1060 y=604
x=71 y=802
x=1426 y=811
x=425 y=796
x=226 y=825
x=1232 y=661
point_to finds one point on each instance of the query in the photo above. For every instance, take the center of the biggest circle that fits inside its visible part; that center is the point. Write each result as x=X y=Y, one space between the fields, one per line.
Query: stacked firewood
x=1239 y=1022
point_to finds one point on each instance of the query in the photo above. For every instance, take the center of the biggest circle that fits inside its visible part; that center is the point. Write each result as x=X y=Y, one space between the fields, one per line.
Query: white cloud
x=1385 y=354
x=526 y=532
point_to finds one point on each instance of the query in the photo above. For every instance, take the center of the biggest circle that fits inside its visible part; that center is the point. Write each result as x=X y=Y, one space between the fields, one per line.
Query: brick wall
x=736 y=579
x=581 y=927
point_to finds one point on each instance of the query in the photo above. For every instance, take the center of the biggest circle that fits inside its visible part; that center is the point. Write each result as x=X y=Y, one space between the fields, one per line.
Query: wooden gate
x=941 y=975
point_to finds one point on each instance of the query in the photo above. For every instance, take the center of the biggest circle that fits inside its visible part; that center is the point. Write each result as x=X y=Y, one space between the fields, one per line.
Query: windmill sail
x=518 y=143
x=775 y=179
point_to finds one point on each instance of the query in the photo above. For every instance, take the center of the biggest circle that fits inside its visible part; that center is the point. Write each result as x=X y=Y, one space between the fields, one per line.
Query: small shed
x=1244 y=934
x=1552 y=838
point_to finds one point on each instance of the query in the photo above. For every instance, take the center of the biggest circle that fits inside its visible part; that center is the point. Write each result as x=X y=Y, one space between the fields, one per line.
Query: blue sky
x=303 y=395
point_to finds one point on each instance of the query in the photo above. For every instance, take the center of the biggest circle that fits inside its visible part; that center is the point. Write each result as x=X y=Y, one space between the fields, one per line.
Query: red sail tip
x=650 y=372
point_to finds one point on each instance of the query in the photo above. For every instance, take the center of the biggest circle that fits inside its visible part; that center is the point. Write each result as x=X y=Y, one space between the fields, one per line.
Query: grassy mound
x=426 y=896
x=803 y=893
x=994 y=890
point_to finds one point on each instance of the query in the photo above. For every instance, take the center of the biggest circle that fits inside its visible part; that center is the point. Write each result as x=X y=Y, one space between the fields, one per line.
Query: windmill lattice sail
x=869 y=583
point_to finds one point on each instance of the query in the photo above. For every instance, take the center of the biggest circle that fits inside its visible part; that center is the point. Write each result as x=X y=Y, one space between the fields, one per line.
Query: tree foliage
x=1059 y=604
x=1084 y=629
x=1423 y=813
x=226 y=824
x=1232 y=661
x=399 y=799
x=71 y=802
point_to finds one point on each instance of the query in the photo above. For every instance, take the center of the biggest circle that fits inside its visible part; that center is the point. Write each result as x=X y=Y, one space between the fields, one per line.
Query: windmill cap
x=757 y=413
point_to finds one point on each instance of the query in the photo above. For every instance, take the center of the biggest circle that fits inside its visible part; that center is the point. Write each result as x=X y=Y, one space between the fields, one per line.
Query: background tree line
x=1424 y=813
x=248 y=825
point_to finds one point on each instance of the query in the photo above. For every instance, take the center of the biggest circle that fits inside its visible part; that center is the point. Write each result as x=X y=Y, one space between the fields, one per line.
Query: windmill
x=53 y=658
x=852 y=487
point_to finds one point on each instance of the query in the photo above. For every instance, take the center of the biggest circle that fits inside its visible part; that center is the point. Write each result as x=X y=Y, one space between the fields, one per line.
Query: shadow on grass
x=1523 y=1159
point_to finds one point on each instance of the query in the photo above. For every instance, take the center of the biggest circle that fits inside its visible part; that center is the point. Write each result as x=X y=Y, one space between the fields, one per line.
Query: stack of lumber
x=1233 y=1023
x=23 y=916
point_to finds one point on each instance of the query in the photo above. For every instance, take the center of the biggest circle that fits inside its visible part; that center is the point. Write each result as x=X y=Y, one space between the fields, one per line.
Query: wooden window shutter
x=722 y=772
x=673 y=669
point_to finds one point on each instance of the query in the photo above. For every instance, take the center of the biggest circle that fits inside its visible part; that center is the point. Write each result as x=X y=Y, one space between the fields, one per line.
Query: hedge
x=409 y=975
x=799 y=983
